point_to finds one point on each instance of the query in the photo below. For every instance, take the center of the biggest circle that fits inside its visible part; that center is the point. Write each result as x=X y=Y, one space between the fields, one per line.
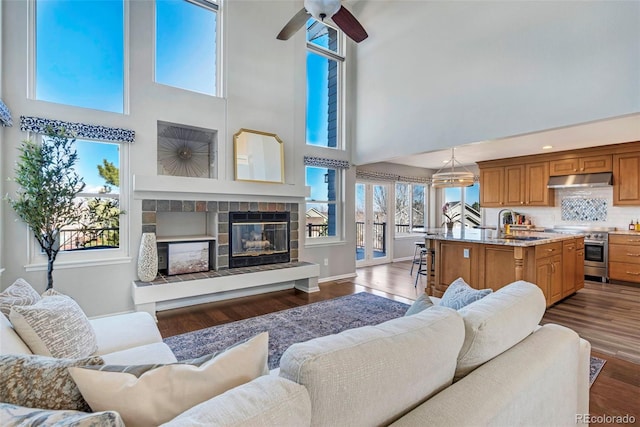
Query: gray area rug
x=594 y=370
x=290 y=326
x=301 y=324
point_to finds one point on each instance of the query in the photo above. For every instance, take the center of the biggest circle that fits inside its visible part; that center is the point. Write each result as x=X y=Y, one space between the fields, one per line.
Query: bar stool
x=422 y=266
x=416 y=254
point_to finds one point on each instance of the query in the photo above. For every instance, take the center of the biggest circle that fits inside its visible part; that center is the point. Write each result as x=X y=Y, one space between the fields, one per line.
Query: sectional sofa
x=489 y=363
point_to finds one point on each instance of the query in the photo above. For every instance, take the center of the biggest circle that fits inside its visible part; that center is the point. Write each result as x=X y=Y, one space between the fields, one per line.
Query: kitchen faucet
x=502 y=211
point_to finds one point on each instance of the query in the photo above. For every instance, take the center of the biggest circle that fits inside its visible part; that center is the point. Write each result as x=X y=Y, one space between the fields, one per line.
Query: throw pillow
x=42 y=382
x=55 y=326
x=19 y=293
x=421 y=303
x=18 y=416
x=459 y=294
x=162 y=392
x=51 y=293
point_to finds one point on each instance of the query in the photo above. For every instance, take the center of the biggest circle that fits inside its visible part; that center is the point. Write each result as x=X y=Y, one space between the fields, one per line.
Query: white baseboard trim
x=339 y=277
x=406 y=258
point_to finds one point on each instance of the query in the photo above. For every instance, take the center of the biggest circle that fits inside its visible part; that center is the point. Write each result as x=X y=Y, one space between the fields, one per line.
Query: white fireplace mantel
x=178 y=187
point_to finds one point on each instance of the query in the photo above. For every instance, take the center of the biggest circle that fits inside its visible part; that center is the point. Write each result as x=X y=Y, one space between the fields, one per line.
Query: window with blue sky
x=80 y=53
x=186 y=45
x=324 y=62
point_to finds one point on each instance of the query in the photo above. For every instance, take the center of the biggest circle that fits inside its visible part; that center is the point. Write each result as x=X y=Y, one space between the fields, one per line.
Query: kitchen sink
x=522 y=238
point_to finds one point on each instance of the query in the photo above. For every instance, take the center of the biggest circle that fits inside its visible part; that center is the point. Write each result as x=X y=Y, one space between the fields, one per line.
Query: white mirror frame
x=258 y=156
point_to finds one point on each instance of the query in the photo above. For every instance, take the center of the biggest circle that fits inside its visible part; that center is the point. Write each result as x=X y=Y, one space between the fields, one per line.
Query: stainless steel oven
x=596 y=256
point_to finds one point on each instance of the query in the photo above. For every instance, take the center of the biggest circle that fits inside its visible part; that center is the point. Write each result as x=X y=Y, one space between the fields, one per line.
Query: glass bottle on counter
x=632 y=226
x=638 y=225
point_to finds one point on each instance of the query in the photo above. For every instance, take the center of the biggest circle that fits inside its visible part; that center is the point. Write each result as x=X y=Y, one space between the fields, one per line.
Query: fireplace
x=258 y=238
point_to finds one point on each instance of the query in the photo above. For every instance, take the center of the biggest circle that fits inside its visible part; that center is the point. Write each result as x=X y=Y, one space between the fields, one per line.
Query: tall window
x=324 y=82
x=410 y=207
x=79 y=52
x=322 y=213
x=464 y=205
x=187 y=44
x=99 y=166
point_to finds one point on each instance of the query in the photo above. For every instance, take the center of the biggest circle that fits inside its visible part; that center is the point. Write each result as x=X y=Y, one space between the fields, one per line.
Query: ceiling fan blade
x=349 y=24
x=294 y=24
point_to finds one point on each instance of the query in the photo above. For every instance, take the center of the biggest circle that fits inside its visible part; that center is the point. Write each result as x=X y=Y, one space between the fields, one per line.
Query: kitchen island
x=554 y=262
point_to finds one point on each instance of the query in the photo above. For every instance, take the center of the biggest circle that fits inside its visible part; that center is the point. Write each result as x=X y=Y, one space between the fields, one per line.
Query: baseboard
x=406 y=258
x=340 y=277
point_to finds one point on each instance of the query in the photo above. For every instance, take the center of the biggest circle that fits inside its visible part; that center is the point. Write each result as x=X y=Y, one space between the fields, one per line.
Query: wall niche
x=187 y=151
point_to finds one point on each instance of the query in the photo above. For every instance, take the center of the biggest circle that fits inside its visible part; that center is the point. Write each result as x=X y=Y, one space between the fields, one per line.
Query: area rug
x=290 y=326
x=594 y=369
x=301 y=324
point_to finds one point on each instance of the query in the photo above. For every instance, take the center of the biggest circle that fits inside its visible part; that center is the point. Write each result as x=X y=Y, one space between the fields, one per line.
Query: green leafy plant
x=49 y=185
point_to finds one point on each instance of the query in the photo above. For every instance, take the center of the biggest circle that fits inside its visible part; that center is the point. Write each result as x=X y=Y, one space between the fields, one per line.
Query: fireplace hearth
x=258 y=238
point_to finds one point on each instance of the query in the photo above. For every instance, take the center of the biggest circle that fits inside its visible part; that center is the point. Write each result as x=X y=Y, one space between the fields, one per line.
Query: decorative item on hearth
x=447 y=176
x=148 y=258
x=450 y=216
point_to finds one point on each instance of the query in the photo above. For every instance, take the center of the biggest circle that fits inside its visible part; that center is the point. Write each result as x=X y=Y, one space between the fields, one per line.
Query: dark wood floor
x=606 y=315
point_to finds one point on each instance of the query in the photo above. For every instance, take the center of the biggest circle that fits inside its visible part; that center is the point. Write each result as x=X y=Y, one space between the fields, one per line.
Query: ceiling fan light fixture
x=448 y=177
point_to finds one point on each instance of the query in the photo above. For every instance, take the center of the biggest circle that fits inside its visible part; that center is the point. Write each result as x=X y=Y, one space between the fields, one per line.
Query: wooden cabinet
x=579 y=165
x=515 y=185
x=492 y=187
x=569 y=266
x=549 y=271
x=624 y=257
x=626 y=179
x=579 y=267
x=536 y=180
x=455 y=259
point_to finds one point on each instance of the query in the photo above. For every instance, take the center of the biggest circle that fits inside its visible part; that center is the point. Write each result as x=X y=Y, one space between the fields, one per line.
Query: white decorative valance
x=80 y=130
x=326 y=163
x=5 y=115
x=382 y=176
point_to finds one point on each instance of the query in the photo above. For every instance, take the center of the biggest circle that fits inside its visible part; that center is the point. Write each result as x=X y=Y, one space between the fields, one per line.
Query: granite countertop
x=626 y=232
x=519 y=238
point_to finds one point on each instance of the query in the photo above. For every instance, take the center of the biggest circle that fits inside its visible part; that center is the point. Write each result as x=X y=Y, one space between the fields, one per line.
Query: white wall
x=436 y=74
x=265 y=90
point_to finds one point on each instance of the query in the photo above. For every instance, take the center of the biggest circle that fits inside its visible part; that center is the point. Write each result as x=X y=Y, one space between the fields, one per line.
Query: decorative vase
x=148 y=258
x=450 y=226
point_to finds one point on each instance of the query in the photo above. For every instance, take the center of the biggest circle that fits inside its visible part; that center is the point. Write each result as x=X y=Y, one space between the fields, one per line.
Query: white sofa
x=489 y=363
x=130 y=338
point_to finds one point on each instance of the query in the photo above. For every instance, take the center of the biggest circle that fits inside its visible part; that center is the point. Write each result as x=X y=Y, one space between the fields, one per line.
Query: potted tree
x=49 y=185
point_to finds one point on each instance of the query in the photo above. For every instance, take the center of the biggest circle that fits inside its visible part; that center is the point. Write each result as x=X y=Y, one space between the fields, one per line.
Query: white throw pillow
x=55 y=326
x=160 y=394
x=19 y=293
x=459 y=294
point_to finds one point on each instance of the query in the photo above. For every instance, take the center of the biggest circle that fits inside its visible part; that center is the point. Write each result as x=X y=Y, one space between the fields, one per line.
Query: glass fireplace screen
x=259 y=238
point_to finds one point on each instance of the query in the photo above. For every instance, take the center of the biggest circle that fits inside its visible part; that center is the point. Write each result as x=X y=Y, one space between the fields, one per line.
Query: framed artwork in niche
x=186 y=151
x=187 y=257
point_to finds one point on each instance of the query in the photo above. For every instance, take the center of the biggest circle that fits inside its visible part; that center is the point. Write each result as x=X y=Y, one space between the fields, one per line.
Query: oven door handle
x=594 y=243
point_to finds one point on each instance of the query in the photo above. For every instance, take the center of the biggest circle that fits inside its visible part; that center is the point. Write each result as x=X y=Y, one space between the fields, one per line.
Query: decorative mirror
x=259 y=156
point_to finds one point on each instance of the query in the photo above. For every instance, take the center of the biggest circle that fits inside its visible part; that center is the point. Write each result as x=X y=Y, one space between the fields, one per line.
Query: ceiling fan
x=320 y=10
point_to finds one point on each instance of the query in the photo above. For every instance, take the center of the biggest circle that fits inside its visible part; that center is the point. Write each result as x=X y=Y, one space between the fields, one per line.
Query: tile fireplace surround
x=219 y=213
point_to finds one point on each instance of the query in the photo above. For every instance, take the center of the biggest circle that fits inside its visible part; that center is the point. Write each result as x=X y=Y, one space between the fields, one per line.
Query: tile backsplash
x=583 y=209
x=585 y=205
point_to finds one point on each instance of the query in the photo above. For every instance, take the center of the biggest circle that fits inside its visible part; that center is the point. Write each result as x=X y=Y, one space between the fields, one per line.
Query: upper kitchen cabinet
x=515 y=185
x=492 y=187
x=626 y=179
x=580 y=165
x=537 y=177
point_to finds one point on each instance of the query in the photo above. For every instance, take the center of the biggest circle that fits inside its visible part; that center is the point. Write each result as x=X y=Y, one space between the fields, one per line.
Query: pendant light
x=447 y=176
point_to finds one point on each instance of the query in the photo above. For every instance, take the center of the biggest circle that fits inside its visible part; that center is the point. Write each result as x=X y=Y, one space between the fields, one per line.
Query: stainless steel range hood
x=603 y=179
